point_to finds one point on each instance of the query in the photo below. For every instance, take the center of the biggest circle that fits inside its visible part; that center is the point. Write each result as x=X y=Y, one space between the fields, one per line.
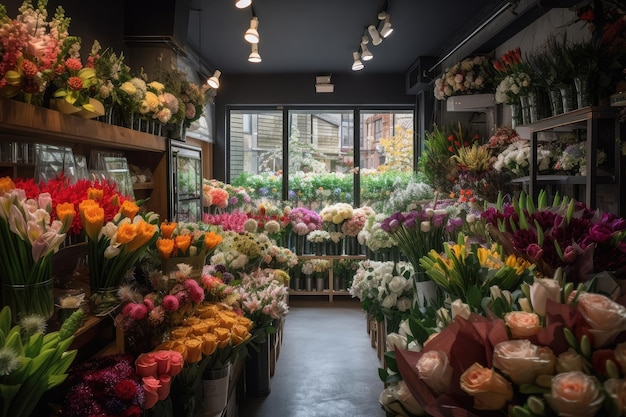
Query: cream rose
x=616 y=388
x=522 y=361
x=491 y=391
x=394 y=340
x=542 y=290
x=606 y=317
x=403 y=394
x=574 y=394
x=570 y=361
x=459 y=308
x=522 y=324
x=434 y=368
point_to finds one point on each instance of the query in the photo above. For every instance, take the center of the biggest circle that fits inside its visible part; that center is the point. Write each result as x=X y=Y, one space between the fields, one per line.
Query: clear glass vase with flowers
x=31 y=233
x=114 y=247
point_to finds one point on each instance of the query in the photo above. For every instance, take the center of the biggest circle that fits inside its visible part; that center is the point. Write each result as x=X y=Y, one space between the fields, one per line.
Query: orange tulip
x=182 y=243
x=145 y=233
x=66 y=213
x=6 y=184
x=168 y=228
x=165 y=247
x=95 y=194
x=126 y=232
x=211 y=240
x=129 y=209
x=92 y=217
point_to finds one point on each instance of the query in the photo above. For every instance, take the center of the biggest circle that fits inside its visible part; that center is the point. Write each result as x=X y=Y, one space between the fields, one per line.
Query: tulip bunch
x=185 y=239
x=29 y=239
x=116 y=246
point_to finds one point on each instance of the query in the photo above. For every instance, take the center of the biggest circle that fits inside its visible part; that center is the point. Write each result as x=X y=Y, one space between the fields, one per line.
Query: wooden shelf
x=329 y=292
x=143 y=186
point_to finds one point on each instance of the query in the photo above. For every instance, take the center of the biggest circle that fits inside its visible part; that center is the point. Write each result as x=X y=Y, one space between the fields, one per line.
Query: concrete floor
x=326 y=366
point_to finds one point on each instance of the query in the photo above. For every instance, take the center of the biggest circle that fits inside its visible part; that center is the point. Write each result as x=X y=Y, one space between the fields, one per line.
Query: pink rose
x=145 y=365
x=176 y=363
x=522 y=361
x=434 y=368
x=151 y=387
x=162 y=358
x=542 y=290
x=606 y=317
x=522 y=324
x=570 y=361
x=491 y=391
x=574 y=394
x=164 y=389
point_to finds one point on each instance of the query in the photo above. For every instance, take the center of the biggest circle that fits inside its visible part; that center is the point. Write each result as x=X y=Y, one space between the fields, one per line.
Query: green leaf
x=532 y=389
x=7 y=393
x=5 y=321
x=474 y=297
x=62 y=365
x=383 y=374
x=390 y=361
x=33 y=346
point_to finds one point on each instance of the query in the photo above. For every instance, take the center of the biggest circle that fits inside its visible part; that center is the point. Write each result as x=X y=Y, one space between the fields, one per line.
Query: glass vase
x=533 y=107
x=516 y=114
x=103 y=300
x=568 y=98
x=556 y=103
x=582 y=92
x=29 y=299
x=525 y=107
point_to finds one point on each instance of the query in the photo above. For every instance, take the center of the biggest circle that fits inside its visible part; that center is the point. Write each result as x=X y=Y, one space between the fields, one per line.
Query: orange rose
x=223 y=336
x=239 y=334
x=209 y=343
x=522 y=361
x=490 y=390
x=179 y=333
x=574 y=394
x=211 y=240
x=246 y=322
x=522 y=324
x=200 y=328
x=181 y=348
x=194 y=349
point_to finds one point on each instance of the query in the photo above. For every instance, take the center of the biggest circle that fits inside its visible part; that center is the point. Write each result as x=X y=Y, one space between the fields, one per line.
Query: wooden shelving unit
x=331 y=292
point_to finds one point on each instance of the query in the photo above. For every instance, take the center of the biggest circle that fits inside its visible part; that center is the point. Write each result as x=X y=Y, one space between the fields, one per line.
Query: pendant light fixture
x=242 y=4
x=357 y=65
x=214 y=81
x=252 y=34
x=254 y=56
x=366 y=55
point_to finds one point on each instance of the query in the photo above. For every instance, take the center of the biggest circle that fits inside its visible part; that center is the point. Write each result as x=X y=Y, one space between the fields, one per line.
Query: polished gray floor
x=326 y=366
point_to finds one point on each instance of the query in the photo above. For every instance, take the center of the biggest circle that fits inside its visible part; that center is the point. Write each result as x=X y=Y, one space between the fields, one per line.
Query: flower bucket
x=215 y=391
x=29 y=299
x=63 y=106
x=98 y=110
x=309 y=283
x=257 y=370
x=103 y=301
x=319 y=282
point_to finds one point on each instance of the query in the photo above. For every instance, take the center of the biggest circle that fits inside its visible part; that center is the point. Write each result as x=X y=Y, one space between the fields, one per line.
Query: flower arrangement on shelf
x=470 y=76
x=406 y=198
x=29 y=50
x=29 y=238
x=278 y=257
x=106 y=385
x=352 y=226
x=114 y=247
x=318 y=237
x=304 y=221
x=193 y=97
x=374 y=237
x=573 y=159
x=513 y=76
x=514 y=159
x=228 y=222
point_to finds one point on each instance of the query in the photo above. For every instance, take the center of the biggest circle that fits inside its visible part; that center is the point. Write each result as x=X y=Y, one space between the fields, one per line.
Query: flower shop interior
x=312 y=208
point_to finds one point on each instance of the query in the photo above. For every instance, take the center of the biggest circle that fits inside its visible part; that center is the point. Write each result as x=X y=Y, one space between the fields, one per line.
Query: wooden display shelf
x=329 y=292
x=143 y=186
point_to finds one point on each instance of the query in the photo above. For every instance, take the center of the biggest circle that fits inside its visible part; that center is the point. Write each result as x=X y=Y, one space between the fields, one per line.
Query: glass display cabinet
x=185 y=185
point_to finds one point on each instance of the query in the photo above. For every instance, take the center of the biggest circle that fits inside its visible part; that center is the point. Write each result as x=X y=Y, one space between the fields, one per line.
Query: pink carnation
x=170 y=303
x=195 y=292
x=74 y=64
x=149 y=303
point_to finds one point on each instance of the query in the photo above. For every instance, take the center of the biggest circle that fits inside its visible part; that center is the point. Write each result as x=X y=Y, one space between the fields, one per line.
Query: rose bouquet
x=214 y=195
x=29 y=240
x=114 y=247
x=470 y=76
x=157 y=369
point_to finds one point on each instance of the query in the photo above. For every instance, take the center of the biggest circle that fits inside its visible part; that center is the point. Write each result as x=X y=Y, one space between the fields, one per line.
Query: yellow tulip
x=126 y=232
x=92 y=216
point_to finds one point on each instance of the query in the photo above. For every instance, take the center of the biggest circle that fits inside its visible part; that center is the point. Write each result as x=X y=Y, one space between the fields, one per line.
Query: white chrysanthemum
x=9 y=361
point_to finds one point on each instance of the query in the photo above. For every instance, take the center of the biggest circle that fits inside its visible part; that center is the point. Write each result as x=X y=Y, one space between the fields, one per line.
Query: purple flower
x=534 y=251
x=291 y=195
x=233 y=200
x=600 y=233
x=263 y=191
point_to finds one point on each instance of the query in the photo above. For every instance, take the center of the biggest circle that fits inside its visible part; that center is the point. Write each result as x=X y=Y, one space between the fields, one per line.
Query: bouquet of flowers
x=470 y=76
x=277 y=257
x=131 y=94
x=353 y=225
x=304 y=221
x=417 y=233
x=407 y=198
x=108 y=385
x=157 y=370
x=514 y=77
x=263 y=299
x=334 y=215
x=374 y=236
x=114 y=247
x=234 y=221
x=241 y=253
x=318 y=236
x=573 y=159
x=514 y=159
x=185 y=239
x=214 y=194
x=29 y=239
x=29 y=50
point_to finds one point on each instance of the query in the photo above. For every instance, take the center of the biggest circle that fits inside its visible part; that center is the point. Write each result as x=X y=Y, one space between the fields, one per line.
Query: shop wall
x=353 y=89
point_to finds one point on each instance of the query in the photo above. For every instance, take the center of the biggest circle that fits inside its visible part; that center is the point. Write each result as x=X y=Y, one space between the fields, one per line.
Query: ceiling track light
x=366 y=55
x=254 y=56
x=385 y=29
x=357 y=65
x=376 y=39
x=252 y=34
x=242 y=4
x=214 y=81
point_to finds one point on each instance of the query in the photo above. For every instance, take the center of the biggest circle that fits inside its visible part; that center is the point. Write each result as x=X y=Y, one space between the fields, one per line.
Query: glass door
x=185 y=182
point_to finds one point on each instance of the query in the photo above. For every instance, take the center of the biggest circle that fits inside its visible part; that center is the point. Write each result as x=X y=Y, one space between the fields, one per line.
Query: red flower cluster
x=509 y=62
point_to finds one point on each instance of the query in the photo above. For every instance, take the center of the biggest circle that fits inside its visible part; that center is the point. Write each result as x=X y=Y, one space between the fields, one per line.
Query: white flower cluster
x=336 y=213
x=373 y=236
x=515 y=158
x=318 y=236
x=512 y=86
x=574 y=159
x=465 y=77
x=405 y=199
x=389 y=285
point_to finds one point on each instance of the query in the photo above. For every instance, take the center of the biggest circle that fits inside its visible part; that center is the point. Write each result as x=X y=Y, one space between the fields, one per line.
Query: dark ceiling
x=319 y=36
